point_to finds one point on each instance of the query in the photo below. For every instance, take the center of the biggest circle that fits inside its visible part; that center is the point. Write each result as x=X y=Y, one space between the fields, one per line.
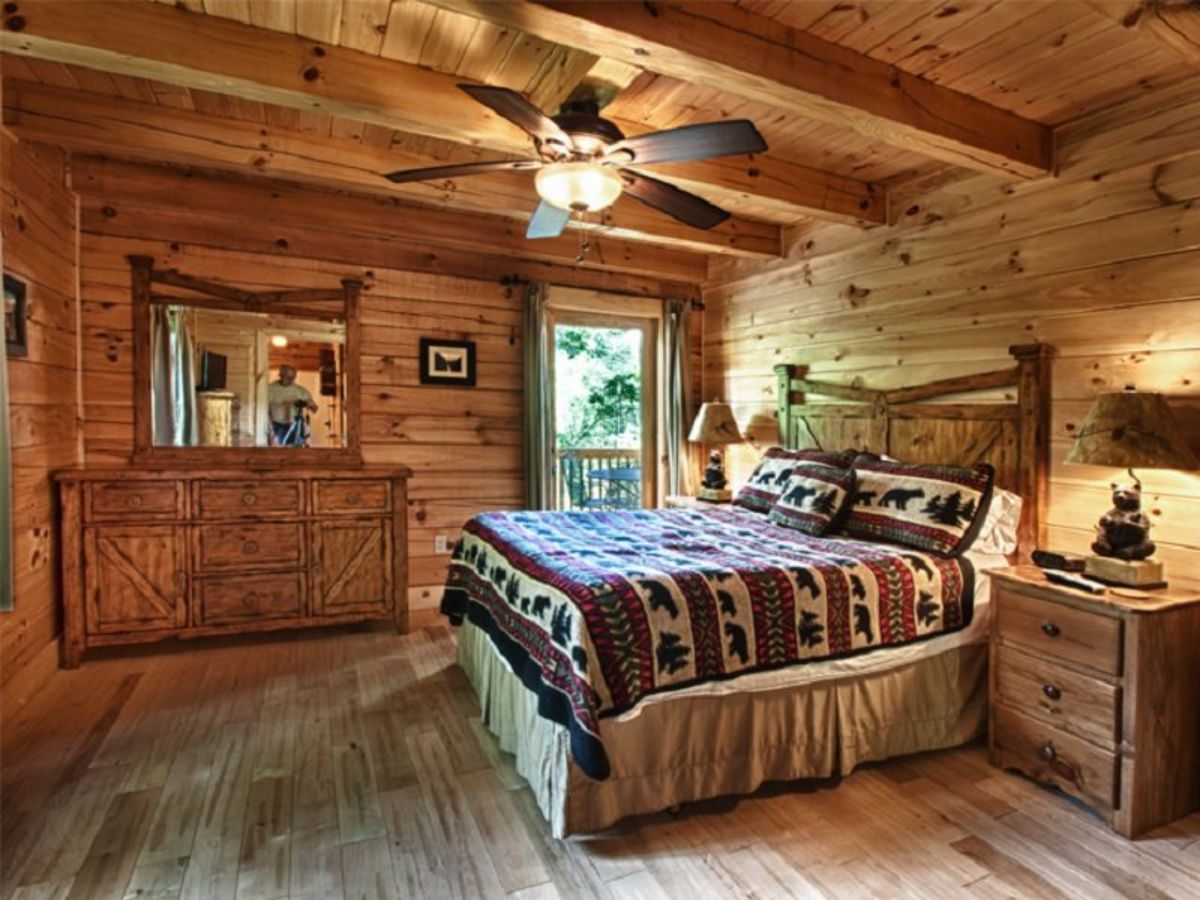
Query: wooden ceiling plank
x=725 y=47
x=408 y=26
x=150 y=133
x=120 y=187
x=319 y=20
x=1173 y=23
x=257 y=66
x=364 y=23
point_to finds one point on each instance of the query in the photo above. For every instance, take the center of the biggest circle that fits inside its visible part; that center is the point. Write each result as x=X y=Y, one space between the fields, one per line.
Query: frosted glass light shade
x=574 y=186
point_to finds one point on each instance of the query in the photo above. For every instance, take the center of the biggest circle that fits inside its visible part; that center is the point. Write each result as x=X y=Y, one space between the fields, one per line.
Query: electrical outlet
x=440 y=544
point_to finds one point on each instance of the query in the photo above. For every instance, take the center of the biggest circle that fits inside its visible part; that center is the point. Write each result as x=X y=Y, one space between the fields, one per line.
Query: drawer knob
x=249 y=498
x=250 y=548
x=1049 y=629
x=1052 y=692
x=135 y=500
x=250 y=599
x=352 y=498
x=1046 y=752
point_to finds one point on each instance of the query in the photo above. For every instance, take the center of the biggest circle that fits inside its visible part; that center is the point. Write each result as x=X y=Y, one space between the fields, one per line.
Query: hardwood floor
x=353 y=765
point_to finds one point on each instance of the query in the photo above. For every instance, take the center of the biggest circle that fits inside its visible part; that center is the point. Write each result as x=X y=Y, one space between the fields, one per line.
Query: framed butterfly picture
x=447 y=363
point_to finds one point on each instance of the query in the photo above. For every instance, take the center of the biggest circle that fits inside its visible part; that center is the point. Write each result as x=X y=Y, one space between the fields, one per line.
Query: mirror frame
x=214 y=295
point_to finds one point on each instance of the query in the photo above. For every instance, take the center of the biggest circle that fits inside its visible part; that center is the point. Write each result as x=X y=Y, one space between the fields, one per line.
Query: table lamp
x=1130 y=429
x=715 y=425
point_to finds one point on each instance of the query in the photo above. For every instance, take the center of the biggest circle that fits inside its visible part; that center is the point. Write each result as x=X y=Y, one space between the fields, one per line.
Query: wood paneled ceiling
x=1046 y=62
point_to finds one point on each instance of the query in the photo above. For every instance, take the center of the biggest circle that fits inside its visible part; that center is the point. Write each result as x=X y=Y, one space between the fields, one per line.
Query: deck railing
x=599 y=478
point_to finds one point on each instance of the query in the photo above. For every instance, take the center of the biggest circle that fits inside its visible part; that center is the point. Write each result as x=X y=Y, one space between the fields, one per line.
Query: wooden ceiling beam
x=725 y=47
x=161 y=42
x=127 y=129
x=1173 y=23
x=179 y=195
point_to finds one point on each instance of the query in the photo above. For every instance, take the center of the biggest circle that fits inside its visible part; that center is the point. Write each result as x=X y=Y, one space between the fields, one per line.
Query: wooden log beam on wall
x=143 y=131
x=175 y=204
x=1173 y=23
x=723 y=46
x=160 y=42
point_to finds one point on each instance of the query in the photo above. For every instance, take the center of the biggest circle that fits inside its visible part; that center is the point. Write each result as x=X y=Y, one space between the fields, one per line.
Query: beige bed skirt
x=696 y=747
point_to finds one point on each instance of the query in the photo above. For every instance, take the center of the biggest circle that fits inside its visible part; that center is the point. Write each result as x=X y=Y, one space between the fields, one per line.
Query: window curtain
x=677 y=404
x=172 y=378
x=539 y=436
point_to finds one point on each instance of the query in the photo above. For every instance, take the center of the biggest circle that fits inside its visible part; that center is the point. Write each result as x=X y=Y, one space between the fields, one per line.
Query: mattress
x=598 y=613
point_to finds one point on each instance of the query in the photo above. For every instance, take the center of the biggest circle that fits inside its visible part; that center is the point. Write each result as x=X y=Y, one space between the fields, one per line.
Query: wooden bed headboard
x=1013 y=437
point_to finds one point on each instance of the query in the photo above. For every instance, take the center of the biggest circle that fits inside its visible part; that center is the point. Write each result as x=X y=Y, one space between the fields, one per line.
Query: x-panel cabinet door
x=353 y=566
x=136 y=578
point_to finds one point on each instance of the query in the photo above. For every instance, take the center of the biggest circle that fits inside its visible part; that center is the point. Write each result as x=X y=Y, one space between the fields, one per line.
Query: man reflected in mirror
x=287 y=403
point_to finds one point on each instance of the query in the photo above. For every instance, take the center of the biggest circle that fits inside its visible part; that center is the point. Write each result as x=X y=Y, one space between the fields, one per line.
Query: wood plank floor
x=354 y=765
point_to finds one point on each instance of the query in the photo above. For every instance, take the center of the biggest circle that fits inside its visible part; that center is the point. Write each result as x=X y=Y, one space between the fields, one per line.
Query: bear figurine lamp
x=1129 y=429
x=715 y=425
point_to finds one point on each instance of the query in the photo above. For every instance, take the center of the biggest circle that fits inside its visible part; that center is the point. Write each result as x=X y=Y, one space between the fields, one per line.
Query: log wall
x=1103 y=262
x=39 y=248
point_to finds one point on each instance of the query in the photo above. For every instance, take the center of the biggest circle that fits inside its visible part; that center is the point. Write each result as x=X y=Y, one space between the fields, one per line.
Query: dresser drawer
x=1078 y=703
x=131 y=500
x=243 y=598
x=248 y=499
x=1055 y=757
x=259 y=545
x=1086 y=638
x=351 y=496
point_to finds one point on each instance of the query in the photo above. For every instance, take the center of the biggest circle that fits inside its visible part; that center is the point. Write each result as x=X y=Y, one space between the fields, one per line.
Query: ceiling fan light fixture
x=579 y=185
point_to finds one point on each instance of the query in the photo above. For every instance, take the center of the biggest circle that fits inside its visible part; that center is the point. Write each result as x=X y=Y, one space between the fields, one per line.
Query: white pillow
x=999 y=531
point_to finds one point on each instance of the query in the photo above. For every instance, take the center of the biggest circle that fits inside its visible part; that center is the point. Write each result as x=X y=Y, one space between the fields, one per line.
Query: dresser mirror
x=229 y=375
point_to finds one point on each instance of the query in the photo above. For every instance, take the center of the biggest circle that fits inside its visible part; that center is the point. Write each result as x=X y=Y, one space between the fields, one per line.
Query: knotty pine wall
x=1102 y=262
x=39 y=248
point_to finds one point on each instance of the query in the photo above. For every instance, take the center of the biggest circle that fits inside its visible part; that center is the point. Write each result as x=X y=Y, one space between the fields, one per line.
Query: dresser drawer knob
x=250 y=548
x=352 y=499
x=135 y=500
x=1046 y=752
x=1049 y=629
x=249 y=498
x=250 y=599
x=1052 y=692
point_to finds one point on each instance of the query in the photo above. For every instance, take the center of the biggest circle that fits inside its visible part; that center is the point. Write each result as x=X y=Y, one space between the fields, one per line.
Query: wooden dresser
x=153 y=555
x=1098 y=695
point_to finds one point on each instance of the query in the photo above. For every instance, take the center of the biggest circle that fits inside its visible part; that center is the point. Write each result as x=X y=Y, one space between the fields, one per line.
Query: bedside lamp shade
x=715 y=424
x=1131 y=429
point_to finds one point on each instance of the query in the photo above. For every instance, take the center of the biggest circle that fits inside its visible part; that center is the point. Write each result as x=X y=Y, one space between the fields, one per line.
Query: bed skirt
x=695 y=747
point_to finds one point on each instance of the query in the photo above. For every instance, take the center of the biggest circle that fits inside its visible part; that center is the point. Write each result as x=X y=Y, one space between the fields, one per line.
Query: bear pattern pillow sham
x=813 y=498
x=767 y=481
x=939 y=509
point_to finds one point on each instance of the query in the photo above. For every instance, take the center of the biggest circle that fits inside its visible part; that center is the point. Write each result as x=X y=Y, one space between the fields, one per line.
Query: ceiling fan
x=583 y=160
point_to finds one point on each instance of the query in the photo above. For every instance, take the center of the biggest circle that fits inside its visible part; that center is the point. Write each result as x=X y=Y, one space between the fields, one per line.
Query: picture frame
x=447 y=363
x=16 y=340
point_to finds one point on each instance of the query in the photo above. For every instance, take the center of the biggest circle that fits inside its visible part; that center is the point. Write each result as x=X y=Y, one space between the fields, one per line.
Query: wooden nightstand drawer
x=249 y=499
x=251 y=546
x=1055 y=757
x=1085 y=706
x=135 y=500
x=1084 y=637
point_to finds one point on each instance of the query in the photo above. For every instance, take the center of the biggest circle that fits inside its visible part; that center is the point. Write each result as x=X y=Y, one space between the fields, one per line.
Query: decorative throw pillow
x=768 y=479
x=935 y=508
x=814 y=498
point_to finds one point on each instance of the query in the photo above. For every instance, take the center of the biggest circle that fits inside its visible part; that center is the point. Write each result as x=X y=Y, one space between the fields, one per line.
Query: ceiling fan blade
x=520 y=112
x=436 y=173
x=547 y=222
x=679 y=204
x=689 y=142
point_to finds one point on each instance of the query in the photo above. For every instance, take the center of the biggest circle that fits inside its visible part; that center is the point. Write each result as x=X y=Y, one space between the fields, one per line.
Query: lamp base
x=1143 y=573
x=714 y=495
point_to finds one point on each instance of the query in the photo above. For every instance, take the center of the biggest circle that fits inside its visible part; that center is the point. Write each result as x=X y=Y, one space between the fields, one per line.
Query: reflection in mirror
x=229 y=378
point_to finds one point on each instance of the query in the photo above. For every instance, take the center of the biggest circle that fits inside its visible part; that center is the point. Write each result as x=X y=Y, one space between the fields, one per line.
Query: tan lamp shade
x=715 y=424
x=1132 y=430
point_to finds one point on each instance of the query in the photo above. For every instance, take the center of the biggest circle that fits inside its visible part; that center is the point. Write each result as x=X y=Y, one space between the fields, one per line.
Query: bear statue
x=1124 y=531
x=714 y=475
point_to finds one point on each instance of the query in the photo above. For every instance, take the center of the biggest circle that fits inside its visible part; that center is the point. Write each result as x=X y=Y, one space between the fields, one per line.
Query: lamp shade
x=1131 y=429
x=715 y=424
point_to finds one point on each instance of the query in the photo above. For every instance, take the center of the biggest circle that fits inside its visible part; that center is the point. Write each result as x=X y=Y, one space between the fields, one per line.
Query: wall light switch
x=440 y=544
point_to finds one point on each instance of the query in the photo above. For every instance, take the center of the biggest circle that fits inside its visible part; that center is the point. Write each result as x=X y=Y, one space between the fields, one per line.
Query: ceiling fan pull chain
x=584 y=244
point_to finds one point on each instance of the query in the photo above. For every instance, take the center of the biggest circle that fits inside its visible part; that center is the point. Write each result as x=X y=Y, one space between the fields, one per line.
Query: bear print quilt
x=596 y=610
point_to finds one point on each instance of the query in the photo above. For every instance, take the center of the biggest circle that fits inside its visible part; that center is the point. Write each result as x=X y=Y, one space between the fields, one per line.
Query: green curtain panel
x=173 y=378
x=539 y=434
x=677 y=406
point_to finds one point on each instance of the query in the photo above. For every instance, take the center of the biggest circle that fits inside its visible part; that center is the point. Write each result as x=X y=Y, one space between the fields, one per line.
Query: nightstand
x=1098 y=695
x=684 y=501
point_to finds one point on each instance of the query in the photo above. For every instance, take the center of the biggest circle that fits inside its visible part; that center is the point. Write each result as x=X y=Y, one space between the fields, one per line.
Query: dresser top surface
x=273 y=473
x=1181 y=592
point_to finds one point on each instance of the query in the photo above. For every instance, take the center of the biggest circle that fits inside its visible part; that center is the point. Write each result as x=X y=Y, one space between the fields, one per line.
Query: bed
x=635 y=660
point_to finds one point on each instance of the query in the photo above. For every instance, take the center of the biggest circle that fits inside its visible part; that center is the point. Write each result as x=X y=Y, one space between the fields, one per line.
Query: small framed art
x=15 y=340
x=447 y=363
